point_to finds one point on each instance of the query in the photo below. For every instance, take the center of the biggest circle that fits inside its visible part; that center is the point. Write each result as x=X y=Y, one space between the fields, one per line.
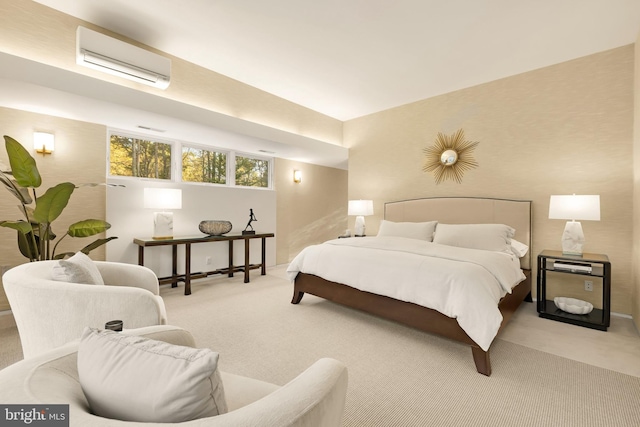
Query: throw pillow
x=412 y=230
x=488 y=237
x=519 y=249
x=133 y=378
x=77 y=269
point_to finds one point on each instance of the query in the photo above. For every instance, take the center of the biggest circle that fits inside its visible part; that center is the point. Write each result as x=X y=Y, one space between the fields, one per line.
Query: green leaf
x=25 y=238
x=22 y=226
x=88 y=227
x=21 y=193
x=27 y=247
x=23 y=166
x=50 y=205
x=95 y=244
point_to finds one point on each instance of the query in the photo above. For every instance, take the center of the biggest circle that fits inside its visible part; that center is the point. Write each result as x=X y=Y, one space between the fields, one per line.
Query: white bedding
x=465 y=284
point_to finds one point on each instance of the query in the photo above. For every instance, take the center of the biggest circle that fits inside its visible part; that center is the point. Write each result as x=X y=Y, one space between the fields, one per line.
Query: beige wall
x=562 y=129
x=636 y=188
x=33 y=31
x=309 y=212
x=79 y=158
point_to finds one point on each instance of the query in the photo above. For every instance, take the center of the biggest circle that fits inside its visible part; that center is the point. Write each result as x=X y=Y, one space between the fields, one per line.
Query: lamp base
x=572 y=239
x=162 y=225
x=358 y=229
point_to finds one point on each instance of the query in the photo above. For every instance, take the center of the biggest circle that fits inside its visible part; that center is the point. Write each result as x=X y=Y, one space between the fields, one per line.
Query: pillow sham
x=77 y=269
x=488 y=237
x=413 y=230
x=133 y=378
x=519 y=249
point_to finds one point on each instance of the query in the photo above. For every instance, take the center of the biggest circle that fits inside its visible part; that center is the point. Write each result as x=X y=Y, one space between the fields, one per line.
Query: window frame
x=210 y=149
x=176 y=160
x=140 y=136
x=255 y=157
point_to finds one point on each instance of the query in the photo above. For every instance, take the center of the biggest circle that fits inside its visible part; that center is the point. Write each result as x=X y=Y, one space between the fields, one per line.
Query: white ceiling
x=348 y=58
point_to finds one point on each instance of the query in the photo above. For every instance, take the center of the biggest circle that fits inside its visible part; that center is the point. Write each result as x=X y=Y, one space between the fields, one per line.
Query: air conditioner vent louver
x=113 y=56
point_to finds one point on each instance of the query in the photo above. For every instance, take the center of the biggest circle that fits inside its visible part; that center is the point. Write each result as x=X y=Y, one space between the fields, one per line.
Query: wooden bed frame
x=448 y=210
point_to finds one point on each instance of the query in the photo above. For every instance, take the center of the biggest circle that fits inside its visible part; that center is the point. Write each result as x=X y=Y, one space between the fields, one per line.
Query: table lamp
x=162 y=198
x=360 y=208
x=574 y=208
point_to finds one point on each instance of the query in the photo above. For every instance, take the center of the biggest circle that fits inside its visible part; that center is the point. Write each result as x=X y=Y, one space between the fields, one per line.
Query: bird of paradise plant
x=35 y=234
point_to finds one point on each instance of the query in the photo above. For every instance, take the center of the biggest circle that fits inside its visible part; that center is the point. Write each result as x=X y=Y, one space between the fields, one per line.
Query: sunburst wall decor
x=450 y=156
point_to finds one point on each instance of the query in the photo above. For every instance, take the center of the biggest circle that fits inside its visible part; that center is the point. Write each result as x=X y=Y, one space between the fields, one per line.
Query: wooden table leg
x=263 y=271
x=174 y=266
x=187 y=269
x=140 y=255
x=230 y=258
x=246 y=260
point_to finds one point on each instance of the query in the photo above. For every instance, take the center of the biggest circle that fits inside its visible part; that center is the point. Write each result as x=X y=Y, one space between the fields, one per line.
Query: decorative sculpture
x=249 y=229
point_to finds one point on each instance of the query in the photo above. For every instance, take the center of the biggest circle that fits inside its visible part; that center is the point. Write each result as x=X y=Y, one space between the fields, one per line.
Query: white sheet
x=465 y=284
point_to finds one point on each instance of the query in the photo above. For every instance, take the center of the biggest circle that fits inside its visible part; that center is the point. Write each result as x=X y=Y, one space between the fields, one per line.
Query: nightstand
x=588 y=265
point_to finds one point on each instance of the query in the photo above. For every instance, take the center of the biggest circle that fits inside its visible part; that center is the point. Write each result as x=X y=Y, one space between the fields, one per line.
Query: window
x=252 y=172
x=129 y=156
x=200 y=165
x=141 y=156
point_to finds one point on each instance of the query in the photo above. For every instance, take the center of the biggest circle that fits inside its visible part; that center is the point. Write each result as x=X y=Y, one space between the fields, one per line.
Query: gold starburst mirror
x=450 y=156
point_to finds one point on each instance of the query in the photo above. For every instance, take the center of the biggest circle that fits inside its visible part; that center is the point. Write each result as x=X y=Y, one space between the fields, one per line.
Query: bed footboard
x=422 y=318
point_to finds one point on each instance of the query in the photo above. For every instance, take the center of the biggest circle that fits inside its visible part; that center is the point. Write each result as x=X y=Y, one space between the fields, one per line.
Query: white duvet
x=465 y=284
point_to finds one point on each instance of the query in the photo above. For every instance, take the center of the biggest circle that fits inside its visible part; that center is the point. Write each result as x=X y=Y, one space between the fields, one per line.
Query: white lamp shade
x=162 y=198
x=360 y=207
x=575 y=207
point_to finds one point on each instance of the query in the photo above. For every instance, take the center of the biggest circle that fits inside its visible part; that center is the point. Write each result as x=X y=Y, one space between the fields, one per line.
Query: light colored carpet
x=397 y=376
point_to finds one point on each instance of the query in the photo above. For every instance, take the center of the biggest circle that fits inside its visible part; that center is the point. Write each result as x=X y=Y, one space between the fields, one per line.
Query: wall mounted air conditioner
x=113 y=56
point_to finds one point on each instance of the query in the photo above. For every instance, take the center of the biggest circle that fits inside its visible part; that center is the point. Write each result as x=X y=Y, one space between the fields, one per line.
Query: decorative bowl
x=214 y=227
x=573 y=305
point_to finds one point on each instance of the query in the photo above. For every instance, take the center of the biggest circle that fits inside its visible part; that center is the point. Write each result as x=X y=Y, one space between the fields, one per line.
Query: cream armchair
x=50 y=313
x=315 y=398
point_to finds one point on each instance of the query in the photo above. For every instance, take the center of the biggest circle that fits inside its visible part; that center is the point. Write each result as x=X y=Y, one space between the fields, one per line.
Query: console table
x=187 y=241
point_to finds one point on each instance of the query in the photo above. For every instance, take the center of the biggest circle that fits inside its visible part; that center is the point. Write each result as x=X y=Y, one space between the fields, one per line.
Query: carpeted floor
x=397 y=376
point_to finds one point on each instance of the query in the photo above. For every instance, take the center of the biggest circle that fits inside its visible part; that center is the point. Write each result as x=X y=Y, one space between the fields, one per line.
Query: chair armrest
x=168 y=333
x=54 y=313
x=316 y=397
x=120 y=274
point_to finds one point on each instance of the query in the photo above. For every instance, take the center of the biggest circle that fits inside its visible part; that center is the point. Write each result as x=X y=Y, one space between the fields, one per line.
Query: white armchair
x=315 y=398
x=51 y=313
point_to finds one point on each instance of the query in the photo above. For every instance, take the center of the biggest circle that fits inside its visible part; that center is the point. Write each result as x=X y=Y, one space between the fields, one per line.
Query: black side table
x=592 y=265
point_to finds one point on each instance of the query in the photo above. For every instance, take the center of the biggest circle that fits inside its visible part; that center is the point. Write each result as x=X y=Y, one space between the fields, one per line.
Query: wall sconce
x=572 y=208
x=43 y=142
x=297 y=176
x=360 y=208
x=162 y=198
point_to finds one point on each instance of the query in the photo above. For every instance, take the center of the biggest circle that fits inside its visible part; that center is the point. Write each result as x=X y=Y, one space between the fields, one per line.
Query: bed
x=451 y=214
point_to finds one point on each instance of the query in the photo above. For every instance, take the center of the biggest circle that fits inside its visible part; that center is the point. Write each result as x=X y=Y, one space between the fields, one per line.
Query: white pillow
x=133 y=378
x=413 y=230
x=519 y=249
x=77 y=269
x=489 y=237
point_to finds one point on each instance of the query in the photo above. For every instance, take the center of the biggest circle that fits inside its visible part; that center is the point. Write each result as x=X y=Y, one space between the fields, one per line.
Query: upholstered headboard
x=467 y=210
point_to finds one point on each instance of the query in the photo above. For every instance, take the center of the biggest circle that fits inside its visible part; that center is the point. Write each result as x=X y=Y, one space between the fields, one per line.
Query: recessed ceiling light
x=267 y=151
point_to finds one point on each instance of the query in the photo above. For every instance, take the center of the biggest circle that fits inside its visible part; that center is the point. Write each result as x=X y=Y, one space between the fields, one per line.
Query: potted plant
x=35 y=234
